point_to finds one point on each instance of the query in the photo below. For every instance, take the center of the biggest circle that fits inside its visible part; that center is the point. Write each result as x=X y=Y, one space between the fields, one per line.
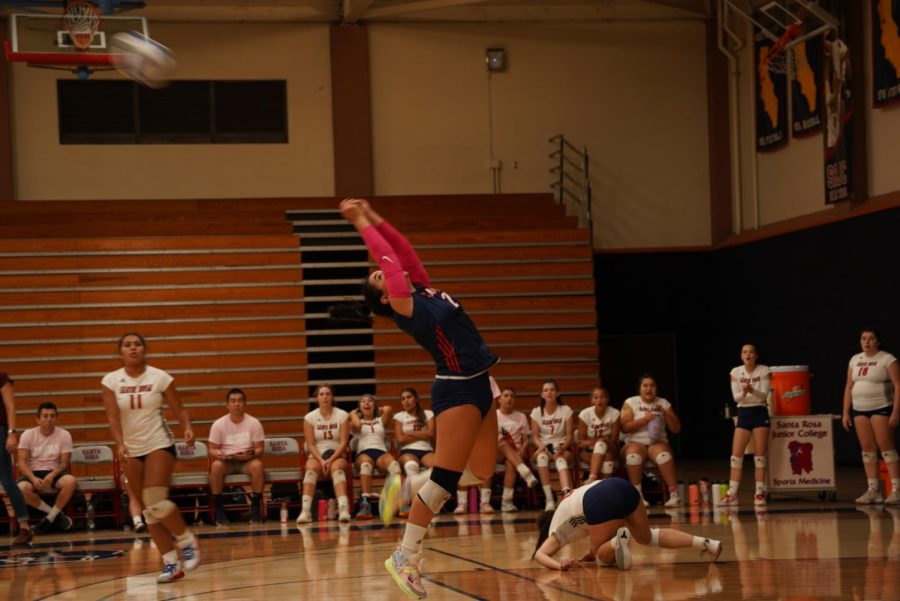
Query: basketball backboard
x=774 y=17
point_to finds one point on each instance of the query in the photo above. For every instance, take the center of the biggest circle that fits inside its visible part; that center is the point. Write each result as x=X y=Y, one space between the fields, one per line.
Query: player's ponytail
x=543 y=523
x=350 y=312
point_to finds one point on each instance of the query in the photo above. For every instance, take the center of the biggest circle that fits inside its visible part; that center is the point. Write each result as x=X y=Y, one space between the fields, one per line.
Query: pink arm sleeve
x=388 y=261
x=409 y=260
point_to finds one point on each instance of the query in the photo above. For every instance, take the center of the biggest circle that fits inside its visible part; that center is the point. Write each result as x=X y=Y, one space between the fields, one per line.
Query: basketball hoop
x=81 y=20
x=781 y=57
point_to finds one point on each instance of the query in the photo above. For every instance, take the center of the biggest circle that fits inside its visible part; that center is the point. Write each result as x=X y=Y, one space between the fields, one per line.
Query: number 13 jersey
x=140 y=402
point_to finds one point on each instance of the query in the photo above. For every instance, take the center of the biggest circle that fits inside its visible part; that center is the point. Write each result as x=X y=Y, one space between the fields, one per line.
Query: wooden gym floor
x=798 y=549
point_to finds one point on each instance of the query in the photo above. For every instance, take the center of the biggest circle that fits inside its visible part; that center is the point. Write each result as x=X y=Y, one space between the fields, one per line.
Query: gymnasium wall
x=802 y=298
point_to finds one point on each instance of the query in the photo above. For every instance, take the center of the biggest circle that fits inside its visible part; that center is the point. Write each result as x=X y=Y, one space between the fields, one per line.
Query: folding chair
x=190 y=488
x=91 y=482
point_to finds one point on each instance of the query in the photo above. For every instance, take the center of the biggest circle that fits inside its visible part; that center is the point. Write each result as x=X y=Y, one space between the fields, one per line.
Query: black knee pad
x=446 y=479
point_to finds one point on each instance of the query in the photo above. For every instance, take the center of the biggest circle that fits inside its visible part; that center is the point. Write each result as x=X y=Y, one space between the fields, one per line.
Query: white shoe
x=171 y=572
x=674 y=500
x=405 y=572
x=550 y=505
x=870 y=496
x=893 y=498
x=506 y=506
x=460 y=509
x=712 y=548
x=729 y=501
x=759 y=499
x=620 y=545
x=190 y=554
x=486 y=508
x=343 y=515
x=304 y=518
x=530 y=480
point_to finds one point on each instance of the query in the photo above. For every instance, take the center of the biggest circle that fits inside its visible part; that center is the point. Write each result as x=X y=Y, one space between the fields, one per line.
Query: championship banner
x=771 y=98
x=806 y=88
x=801 y=453
x=838 y=121
x=885 y=52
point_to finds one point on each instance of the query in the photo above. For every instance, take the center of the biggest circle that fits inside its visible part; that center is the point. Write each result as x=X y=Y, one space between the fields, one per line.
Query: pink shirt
x=236 y=437
x=45 y=451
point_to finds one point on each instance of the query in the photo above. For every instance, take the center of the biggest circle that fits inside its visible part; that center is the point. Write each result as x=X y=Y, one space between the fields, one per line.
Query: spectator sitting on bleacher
x=414 y=434
x=598 y=435
x=44 y=455
x=236 y=445
x=368 y=424
x=513 y=433
x=552 y=426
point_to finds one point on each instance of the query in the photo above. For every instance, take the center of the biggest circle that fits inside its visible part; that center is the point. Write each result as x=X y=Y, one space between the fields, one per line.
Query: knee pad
x=737 y=462
x=600 y=447
x=561 y=464
x=869 y=457
x=338 y=477
x=759 y=461
x=543 y=460
x=394 y=467
x=663 y=457
x=654 y=537
x=607 y=467
x=890 y=456
x=634 y=459
x=411 y=467
x=310 y=477
x=433 y=495
x=156 y=504
x=365 y=469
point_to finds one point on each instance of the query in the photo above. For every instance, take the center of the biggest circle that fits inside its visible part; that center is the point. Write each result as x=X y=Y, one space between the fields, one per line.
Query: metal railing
x=572 y=184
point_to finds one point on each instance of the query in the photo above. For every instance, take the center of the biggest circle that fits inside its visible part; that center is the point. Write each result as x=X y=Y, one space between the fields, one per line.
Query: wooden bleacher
x=216 y=288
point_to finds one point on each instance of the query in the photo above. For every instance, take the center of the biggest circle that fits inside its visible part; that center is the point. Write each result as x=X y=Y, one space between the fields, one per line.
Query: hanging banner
x=806 y=88
x=771 y=98
x=838 y=121
x=801 y=453
x=885 y=52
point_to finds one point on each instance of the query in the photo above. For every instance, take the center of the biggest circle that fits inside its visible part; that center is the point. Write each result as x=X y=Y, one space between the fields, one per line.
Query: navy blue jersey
x=440 y=326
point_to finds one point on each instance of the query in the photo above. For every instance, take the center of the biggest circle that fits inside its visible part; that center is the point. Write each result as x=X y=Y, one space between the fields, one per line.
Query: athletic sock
x=733 y=486
x=508 y=493
x=485 y=495
x=462 y=498
x=52 y=514
x=873 y=484
x=44 y=507
x=698 y=542
x=307 y=504
x=412 y=539
x=523 y=470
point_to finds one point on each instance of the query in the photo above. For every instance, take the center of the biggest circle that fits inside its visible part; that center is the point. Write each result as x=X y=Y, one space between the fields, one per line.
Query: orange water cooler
x=790 y=387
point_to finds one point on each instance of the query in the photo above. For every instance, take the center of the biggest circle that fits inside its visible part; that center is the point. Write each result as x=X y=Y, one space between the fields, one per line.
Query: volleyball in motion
x=143 y=59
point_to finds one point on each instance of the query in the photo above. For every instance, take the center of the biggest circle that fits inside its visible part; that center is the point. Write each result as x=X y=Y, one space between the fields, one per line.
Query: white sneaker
x=893 y=498
x=549 y=505
x=620 y=545
x=405 y=572
x=729 y=501
x=530 y=480
x=870 y=496
x=506 y=506
x=343 y=515
x=759 y=499
x=712 y=548
x=304 y=518
x=190 y=554
x=674 y=500
x=486 y=508
x=171 y=572
x=460 y=509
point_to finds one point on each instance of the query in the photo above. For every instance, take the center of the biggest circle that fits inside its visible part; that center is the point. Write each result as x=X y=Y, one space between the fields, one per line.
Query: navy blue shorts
x=40 y=475
x=609 y=499
x=750 y=418
x=170 y=450
x=416 y=452
x=374 y=454
x=885 y=411
x=452 y=393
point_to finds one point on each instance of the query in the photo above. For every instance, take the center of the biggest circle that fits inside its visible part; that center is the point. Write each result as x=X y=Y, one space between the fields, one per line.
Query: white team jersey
x=327 y=431
x=569 y=523
x=759 y=379
x=140 y=402
x=410 y=423
x=371 y=435
x=599 y=427
x=640 y=409
x=552 y=427
x=872 y=387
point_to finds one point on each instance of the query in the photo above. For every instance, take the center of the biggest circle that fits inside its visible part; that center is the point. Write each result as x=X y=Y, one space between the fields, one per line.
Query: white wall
x=633 y=94
x=46 y=170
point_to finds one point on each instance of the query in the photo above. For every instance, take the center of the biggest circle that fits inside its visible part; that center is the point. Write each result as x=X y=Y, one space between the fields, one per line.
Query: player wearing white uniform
x=414 y=434
x=513 y=432
x=552 y=427
x=645 y=419
x=133 y=397
x=610 y=513
x=368 y=425
x=750 y=383
x=327 y=433
x=872 y=399
x=598 y=435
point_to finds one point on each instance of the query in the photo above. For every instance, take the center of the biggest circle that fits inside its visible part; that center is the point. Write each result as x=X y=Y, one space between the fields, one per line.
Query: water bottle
x=284 y=513
x=90 y=516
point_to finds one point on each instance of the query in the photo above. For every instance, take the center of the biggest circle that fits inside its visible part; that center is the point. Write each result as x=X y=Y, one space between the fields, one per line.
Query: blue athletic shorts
x=885 y=411
x=609 y=499
x=750 y=418
x=417 y=452
x=373 y=454
x=452 y=393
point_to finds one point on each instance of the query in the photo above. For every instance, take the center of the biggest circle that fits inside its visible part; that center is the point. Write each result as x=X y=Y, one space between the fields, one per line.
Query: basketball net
x=781 y=58
x=81 y=20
